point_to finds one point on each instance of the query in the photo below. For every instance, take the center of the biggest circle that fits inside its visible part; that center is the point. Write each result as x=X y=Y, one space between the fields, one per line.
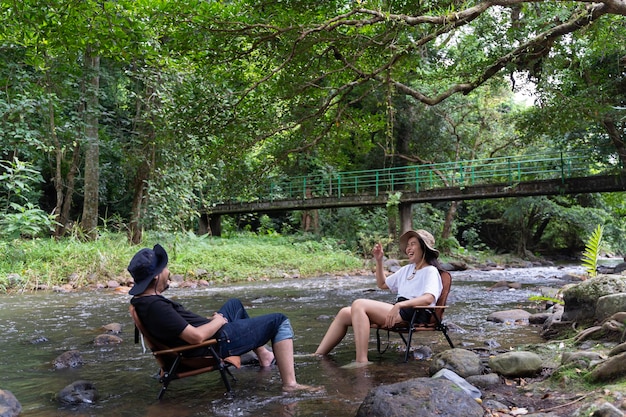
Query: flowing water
x=37 y=327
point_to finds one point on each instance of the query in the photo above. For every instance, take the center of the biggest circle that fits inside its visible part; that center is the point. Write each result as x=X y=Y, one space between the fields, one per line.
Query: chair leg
x=223 y=370
x=444 y=330
x=167 y=377
x=408 y=344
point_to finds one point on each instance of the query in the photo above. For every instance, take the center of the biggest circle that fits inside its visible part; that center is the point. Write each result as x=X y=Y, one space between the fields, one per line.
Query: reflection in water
x=36 y=328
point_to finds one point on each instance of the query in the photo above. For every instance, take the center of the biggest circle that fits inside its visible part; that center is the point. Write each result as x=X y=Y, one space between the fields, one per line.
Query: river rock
x=581 y=359
x=78 y=392
x=581 y=299
x=619 y=268
x=107 y=339
x=608 y=305
x=114 y=328
x=419 y=397
x=9 y=405
x=461 y=361
x=611 y=369
x=516 y=364
x=484 y=381
x=509 y=316
x=69 y=359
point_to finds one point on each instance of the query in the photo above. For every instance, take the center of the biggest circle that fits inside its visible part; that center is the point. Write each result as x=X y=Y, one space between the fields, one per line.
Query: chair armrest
x=185 y=348
x=428 y=307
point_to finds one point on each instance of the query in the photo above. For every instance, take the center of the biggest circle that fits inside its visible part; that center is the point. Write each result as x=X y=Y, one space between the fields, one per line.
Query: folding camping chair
x=174 y=365
x=435 y=324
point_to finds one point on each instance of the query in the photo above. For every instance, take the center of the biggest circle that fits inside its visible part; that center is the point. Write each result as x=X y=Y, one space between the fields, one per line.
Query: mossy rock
x=580 y=300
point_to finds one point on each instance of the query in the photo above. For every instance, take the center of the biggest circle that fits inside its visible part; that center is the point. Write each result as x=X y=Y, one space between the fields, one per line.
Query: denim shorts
x=243 y=333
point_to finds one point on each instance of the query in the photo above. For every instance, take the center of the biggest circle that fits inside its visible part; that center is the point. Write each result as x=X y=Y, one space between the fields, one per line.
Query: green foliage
x=544 y=298
x=31 y=263
x=19 y=216
x=592 y=251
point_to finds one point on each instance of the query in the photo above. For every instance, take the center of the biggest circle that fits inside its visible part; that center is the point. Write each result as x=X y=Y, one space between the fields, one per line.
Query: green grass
x=27 y=264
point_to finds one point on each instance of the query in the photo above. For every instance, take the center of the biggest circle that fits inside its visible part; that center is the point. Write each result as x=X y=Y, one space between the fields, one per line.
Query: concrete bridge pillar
x=211 y=224
x=406 y=217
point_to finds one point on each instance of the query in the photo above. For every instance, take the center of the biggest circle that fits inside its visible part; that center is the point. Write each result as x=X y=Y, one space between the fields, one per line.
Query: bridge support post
x=211 y=224
x=406 y=217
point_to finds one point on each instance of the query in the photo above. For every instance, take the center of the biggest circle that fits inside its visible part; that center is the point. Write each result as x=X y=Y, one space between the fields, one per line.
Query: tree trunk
x=616 y=138
x=135 y=231
x=447 y=224
x=89 y=221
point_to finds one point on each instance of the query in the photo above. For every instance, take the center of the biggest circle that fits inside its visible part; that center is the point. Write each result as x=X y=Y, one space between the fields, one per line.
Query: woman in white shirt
x=416 y=284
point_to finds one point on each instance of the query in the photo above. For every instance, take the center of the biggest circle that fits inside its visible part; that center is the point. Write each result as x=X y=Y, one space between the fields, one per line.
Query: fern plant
x=592 y=251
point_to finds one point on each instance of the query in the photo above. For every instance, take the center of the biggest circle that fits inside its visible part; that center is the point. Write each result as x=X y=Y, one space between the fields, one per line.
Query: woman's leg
x=336 y=332
x=364 y=313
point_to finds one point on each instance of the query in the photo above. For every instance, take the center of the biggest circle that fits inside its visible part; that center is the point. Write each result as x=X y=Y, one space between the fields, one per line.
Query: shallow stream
x=123 y=374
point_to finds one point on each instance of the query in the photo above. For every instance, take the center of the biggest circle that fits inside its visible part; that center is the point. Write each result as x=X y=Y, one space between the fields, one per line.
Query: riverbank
x=72 y=264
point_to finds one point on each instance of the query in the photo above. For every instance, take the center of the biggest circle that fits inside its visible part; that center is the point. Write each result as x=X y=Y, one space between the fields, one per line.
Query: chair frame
x=173 y=364
x=411 y=327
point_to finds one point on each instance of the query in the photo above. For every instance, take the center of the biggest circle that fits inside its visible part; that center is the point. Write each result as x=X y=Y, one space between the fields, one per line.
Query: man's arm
x=194 y=335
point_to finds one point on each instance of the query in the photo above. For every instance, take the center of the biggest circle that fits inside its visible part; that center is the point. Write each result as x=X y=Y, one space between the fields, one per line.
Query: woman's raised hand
x=377 y=252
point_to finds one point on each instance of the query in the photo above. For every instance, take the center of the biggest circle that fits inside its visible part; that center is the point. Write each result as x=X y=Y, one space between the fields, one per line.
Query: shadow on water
x=38 y=327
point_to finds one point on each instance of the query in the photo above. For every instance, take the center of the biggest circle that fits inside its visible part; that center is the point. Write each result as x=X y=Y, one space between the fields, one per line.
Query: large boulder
x=581 y=299
x=419 y=397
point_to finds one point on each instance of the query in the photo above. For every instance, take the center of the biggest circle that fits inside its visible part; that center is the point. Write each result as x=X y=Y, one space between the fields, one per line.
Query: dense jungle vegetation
x=137 y=116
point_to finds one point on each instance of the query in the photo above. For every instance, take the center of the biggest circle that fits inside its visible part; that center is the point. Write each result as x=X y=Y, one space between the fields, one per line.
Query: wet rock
x=69 y=359
x=38 y=339
x=516 y=364
x=611 y=369
x=422 y=353
x=608 y=305
x=509 y=316
x=114 y=328
x=9 y=405
x=461 y=361
x=484 y=381
x=112 y=284
x=78 y=392
x=505 y=285
x=607 y=410
x=419 y=397
x=581 y=359
x=581 y=299
x=619 y=268
x=539 y=318
x=107 y=339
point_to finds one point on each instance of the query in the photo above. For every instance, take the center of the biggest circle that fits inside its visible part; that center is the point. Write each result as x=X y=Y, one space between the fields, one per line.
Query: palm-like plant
x=592 y=251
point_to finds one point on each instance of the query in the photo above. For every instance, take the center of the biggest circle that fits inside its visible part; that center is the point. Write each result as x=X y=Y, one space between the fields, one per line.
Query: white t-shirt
x=426 y=281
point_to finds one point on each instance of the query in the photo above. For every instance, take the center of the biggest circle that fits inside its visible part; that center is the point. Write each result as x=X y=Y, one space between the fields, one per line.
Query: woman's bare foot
x=302 y=388
x=266 y=357
x=355 y=365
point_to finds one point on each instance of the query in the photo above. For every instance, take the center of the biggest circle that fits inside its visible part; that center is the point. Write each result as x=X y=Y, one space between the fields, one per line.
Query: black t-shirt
x=165 y=319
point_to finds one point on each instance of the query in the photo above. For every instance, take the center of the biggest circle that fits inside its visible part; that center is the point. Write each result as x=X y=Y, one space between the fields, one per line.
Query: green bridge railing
x=423 y=177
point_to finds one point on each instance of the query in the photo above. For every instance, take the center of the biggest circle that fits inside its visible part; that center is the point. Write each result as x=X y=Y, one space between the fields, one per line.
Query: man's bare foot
x=266 y=357
x=302 y=388
x=355 y=365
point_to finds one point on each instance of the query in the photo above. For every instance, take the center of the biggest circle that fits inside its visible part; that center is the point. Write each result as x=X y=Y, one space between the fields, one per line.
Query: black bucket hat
x=145 y=265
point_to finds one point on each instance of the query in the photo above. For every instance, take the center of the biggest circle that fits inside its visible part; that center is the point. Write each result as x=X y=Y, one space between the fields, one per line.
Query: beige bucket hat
x=422 y=235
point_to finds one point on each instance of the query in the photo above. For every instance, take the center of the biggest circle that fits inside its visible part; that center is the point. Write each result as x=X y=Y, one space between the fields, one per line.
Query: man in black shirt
x=235 y=331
